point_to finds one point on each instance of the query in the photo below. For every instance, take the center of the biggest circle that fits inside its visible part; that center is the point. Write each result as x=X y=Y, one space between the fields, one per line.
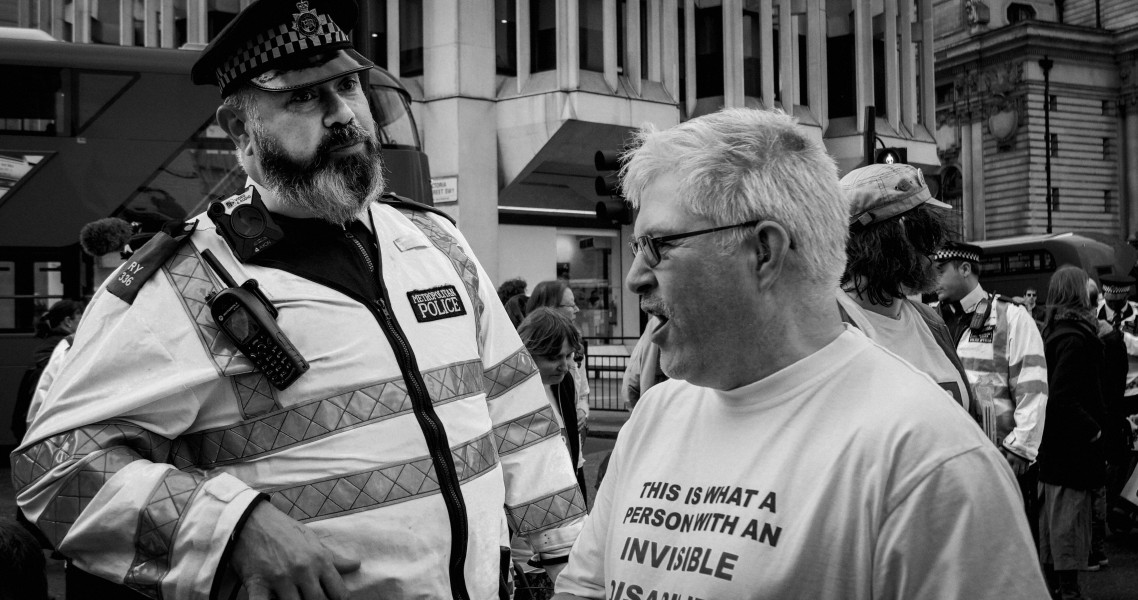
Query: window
x=709 y=52
x=374 y=31
x=1052 y=103
x=203 y=169
x=7 y=295
x=1020 y=12
x=543 y=35
x=1107 y=202
x=410 y=38
x=841 y=70
x=1054 y=199
x=590 y=19
x=1106 y=107
x=35 y=109
x=506 y=37
x=1105 y=148
x=1053 y=144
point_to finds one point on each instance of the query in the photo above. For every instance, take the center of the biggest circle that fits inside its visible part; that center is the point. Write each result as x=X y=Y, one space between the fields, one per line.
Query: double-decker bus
x=92 y=131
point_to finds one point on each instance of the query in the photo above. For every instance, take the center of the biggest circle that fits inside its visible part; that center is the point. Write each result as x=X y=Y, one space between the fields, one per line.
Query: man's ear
x=235 y=125
x=771 y=244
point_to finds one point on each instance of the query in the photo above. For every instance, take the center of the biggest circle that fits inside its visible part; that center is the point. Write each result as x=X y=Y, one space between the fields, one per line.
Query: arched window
x=1020 y=12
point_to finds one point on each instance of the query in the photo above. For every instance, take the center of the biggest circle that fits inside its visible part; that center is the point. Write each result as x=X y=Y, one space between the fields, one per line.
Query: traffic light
x=891 y=156
x=613 y=207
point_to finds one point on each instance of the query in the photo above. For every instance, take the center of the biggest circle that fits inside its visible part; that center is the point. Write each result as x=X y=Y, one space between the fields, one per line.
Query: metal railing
x=605 y=361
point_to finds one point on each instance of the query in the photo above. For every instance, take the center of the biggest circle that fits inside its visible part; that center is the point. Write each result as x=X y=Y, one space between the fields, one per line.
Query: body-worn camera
x=245 y=223
x=248 y=319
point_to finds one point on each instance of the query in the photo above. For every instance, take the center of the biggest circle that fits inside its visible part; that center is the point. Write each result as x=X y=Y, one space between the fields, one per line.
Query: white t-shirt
x=909 y=337
x=834 y=478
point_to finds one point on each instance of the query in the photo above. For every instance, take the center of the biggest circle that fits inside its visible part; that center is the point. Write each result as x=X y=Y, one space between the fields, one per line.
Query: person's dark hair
x=21 y=563
x=888 y=258
x=56 y=314
x=545 y=329
x=547 y=293
x=511 y=288
x=1067 y=295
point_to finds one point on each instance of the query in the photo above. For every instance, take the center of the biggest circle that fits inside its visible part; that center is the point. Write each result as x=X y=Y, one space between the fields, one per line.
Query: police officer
x=166 y=460
x=1002 y=352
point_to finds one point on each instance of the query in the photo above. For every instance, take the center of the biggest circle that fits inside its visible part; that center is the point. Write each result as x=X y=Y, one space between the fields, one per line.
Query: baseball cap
x=282 y=45
x=883 y=191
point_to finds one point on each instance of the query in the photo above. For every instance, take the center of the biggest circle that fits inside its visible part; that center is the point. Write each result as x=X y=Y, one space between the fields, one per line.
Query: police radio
x=249 y=320
x=245 y=223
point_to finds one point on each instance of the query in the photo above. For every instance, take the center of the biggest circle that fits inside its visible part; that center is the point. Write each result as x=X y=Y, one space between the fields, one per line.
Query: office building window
x=1053 y=144
x=1105 y=148
x=505 y=37
x=1052 y=103
x=1054 y=199
x=590 y=19
x=373 y=30
x=410 y=38
x=1107 y=202
x=709 y=52
x=543 y=35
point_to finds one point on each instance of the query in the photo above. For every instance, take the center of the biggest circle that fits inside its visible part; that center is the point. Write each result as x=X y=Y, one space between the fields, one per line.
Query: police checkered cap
x=1116 y=287
x=958 y=250
x=281 y=34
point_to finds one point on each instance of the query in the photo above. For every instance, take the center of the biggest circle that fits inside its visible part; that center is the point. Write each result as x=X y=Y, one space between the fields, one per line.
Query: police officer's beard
x=327 y=187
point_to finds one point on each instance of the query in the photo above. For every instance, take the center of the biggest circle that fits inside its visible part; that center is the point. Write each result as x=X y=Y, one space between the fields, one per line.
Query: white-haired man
x=788 y=456
x=395 y=466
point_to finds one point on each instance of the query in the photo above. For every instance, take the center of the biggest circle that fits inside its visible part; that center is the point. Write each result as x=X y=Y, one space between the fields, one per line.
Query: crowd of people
x=803 y=426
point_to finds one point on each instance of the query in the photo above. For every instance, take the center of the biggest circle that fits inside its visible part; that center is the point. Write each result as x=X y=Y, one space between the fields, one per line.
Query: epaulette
x=401 y=202
x=128 y=279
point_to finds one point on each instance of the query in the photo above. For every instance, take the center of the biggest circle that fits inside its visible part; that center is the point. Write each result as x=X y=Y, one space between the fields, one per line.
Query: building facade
x=1037 y=120
x=514 y=97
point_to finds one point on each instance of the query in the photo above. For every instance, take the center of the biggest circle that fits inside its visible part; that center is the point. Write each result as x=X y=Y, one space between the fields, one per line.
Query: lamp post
x=1046 y=64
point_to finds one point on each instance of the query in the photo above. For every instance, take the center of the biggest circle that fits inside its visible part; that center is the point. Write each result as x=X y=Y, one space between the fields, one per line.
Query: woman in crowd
x=552 y=340
x=1071 y=460
x=557 y=294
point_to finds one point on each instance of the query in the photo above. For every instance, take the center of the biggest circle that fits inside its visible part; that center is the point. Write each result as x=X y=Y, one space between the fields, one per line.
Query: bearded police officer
x=180 y=455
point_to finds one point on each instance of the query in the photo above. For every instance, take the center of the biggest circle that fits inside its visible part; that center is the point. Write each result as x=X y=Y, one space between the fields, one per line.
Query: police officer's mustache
x=344 y=135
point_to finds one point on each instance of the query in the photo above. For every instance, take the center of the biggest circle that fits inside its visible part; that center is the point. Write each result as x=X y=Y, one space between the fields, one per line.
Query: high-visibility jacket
x=420 y=433
x=1128 y=325
x=1006 y=366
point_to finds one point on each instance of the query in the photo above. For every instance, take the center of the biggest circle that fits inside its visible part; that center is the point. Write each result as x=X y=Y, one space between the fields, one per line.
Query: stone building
x=1036 y=103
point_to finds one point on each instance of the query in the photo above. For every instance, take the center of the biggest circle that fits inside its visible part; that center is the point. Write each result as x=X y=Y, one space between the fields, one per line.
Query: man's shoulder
x=403 y=203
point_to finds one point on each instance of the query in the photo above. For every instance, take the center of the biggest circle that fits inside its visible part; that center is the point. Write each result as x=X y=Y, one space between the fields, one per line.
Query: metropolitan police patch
x=442 y=302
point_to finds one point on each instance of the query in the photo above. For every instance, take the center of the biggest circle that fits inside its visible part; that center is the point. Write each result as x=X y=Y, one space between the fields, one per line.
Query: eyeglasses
x=650 y=246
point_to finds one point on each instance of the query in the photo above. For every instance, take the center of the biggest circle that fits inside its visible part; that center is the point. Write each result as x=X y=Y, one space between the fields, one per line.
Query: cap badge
x=305 y=21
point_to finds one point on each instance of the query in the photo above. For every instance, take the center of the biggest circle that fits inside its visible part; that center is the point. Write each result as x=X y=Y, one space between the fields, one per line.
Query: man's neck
x=893 y=311
x=800 y=329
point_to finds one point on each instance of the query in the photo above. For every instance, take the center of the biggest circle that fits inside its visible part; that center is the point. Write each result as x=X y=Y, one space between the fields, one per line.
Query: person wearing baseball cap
x=895 y=228
x=396 y=464
x=1003 y=354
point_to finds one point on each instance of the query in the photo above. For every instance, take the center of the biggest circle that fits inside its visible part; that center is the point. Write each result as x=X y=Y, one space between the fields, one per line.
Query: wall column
x=1128 y=207
x=459 y=118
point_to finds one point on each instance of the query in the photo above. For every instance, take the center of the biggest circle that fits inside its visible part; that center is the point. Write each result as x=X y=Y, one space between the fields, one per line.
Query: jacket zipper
x=429 y=422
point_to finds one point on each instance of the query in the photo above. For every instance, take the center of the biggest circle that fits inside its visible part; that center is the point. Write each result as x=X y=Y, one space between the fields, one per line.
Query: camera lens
x=247 y=222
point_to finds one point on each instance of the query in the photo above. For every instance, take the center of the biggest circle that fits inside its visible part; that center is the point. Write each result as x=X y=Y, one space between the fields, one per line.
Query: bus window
x=393 y=120
x=7 y=293
x=202 y=169
x=36 y=108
